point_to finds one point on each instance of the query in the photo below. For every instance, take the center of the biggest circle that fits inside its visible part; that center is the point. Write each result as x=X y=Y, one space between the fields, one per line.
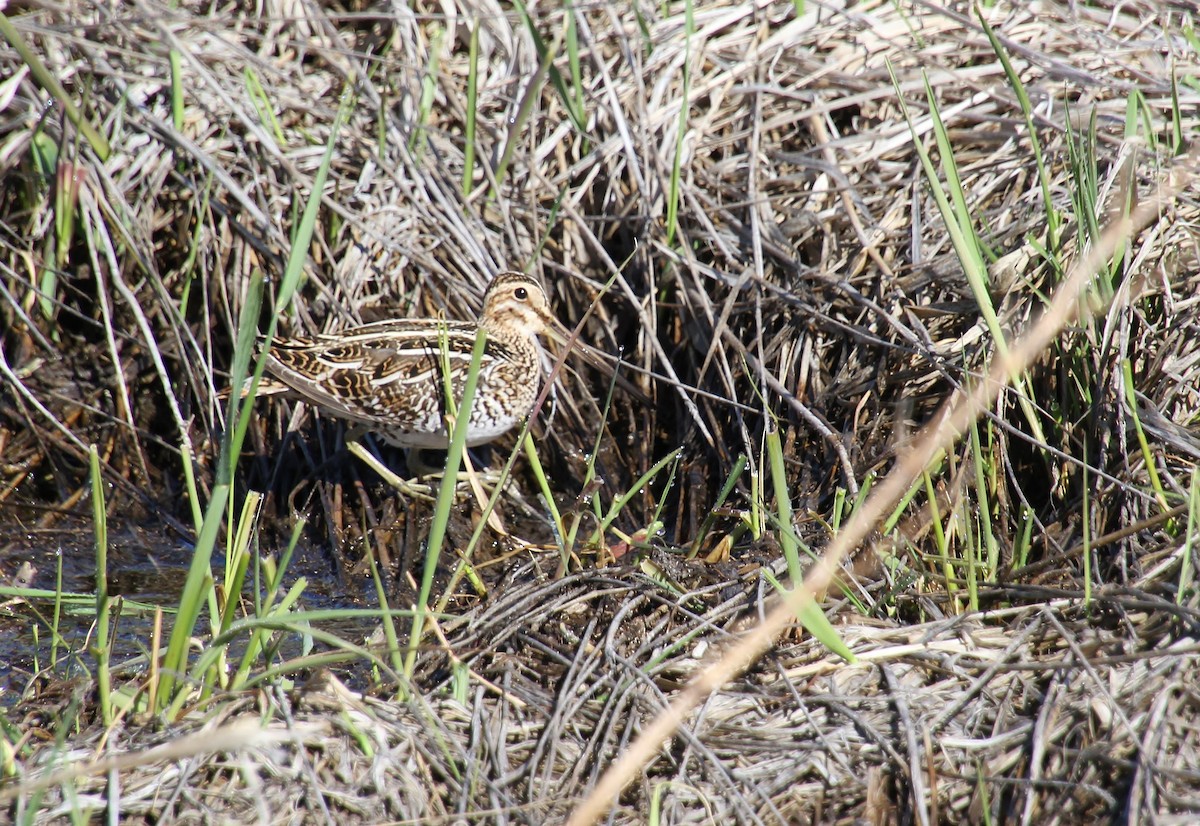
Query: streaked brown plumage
x=388 y=376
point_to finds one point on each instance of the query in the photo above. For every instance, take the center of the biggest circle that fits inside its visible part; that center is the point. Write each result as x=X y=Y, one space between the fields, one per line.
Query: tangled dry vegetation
x=771 y=254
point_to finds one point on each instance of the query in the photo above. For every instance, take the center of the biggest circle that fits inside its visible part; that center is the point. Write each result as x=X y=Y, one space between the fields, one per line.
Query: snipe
x=389 y=376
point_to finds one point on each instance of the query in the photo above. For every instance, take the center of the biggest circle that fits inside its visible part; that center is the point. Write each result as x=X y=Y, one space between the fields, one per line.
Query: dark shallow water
x=146 y=567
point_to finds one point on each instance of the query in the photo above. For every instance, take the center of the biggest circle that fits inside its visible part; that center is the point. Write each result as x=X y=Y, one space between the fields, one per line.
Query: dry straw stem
x=936 y=437
x=239 y=735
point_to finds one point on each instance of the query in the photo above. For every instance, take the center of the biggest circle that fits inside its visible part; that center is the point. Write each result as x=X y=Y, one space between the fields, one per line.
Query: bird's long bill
x=606 y=363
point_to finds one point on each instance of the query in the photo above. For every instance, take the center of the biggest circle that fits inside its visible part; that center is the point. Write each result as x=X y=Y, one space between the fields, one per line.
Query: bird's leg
x=409 y=487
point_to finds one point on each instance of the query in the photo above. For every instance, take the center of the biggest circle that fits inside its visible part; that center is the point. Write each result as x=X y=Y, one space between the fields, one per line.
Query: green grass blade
x=539 y=475
x=681 y=127
x=525 y=108
x=471 y=111
x=238 y=556
x=47 y=80
x=194 y=596
x=100 y=646
x=243 y=349
x=1053 y=216
x=734 y=474
x=808 y=611
x=248 y=324
x=388 y=623
x=177 y=110
x=263 y=105
x=1160 y=493
x=984 y=484
x=574 y=62
x=809 y=614
x=416 y=138
x=547 y=54
x=898 y=512
x=1187 y=573
x=445 y=499
x=619 y=504
x=783 y=506
x=962 y=235
x=1085 y=521
x=308 y=220
x=1177 y=143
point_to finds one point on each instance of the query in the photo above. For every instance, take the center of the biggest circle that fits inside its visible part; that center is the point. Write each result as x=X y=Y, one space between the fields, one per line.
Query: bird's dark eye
x=520 y=293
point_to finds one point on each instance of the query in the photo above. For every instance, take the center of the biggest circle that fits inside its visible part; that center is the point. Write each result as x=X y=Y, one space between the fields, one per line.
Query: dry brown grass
x=809 y=279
